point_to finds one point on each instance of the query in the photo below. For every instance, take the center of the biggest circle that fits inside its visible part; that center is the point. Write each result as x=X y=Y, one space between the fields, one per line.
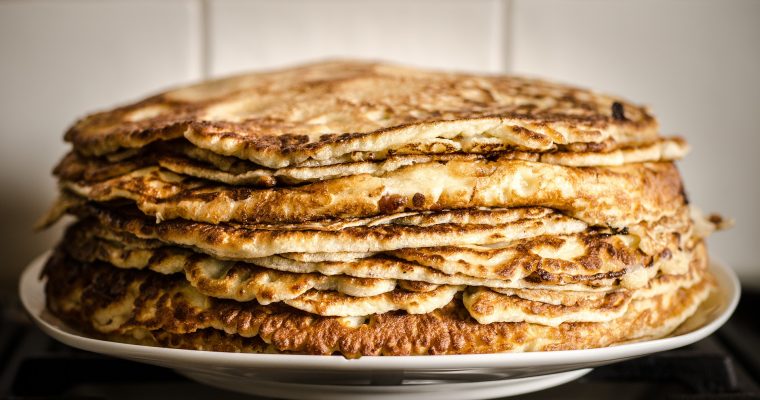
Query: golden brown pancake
x=361 y=208
x=246 y=242
x=593 y=257
x=184 y=159
x=122 y=302
x=553 y=308
x=614 y=196
x=274 y=279
x=328 y=111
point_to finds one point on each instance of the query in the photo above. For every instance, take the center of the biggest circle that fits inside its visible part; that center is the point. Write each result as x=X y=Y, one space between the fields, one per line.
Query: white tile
x=454 y=34
x=61 y=60
x=696 y=63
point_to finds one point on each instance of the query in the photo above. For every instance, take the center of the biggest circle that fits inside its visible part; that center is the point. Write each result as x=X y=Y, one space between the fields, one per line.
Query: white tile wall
x=58 y=61
x=263 y=34
x=695 y=62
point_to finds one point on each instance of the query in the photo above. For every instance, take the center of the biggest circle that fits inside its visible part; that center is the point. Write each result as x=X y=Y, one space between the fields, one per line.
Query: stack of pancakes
x=367 y=209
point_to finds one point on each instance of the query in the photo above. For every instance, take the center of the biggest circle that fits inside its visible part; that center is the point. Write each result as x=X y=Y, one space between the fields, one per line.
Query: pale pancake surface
x=242 y=242
x=184 y=159
x=309 y=291
x=614 y=196
x=330 y=110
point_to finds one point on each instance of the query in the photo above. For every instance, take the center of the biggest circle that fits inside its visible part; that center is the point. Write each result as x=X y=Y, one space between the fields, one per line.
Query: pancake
x=553 y=308
x=329 y=110
x=68 y=202
x=218 y=278
x=327 y=303
x=609 y=196
x=121 y=302
x=239 y=242
x=88 y=242
x=203 y=340
x=487 y=306
x=275 y=278
x=587 y=257
x=525 y=271
x=187 y=160
x=360 y=208
x=562 y=259
x=657 y=285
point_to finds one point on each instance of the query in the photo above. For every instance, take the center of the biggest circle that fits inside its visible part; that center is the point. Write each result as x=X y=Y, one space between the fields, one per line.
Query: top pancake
x=333 y=110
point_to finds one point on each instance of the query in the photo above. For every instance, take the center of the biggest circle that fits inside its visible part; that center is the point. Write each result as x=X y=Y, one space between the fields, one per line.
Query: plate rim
x=28 y=282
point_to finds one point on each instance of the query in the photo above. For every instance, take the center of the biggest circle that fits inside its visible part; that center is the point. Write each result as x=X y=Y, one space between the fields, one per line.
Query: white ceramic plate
x=334 y=377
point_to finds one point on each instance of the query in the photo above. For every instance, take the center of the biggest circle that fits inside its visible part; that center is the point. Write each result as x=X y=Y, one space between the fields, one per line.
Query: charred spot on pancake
x=391 y=203
x=493 y=156
x=618 y=112
x=715 y=219
x=418 y=200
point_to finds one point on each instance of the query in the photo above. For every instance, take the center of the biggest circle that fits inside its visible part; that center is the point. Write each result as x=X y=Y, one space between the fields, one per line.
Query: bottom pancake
x=147 y=306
